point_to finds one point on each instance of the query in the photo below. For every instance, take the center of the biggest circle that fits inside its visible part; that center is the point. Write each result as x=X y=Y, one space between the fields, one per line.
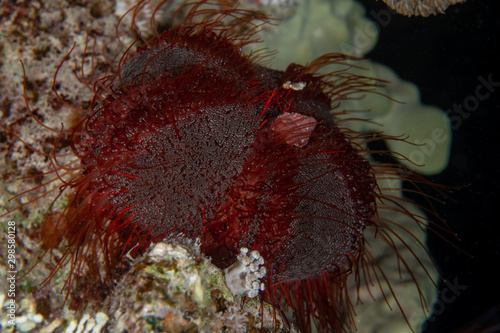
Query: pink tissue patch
x=295 y=128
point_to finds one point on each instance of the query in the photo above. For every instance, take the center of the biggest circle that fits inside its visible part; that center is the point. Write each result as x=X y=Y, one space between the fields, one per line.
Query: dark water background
x=444 y=56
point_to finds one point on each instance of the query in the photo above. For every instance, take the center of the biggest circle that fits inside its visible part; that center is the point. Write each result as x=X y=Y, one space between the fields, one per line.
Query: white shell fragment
x=294 y=85
x=242 y=277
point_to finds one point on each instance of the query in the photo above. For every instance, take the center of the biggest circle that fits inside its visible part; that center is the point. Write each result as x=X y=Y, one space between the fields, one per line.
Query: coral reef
x=421 y=7
x=173 y=287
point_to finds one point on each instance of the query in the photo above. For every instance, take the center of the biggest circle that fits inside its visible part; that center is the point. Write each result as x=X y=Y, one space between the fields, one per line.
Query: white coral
x=242 y=277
